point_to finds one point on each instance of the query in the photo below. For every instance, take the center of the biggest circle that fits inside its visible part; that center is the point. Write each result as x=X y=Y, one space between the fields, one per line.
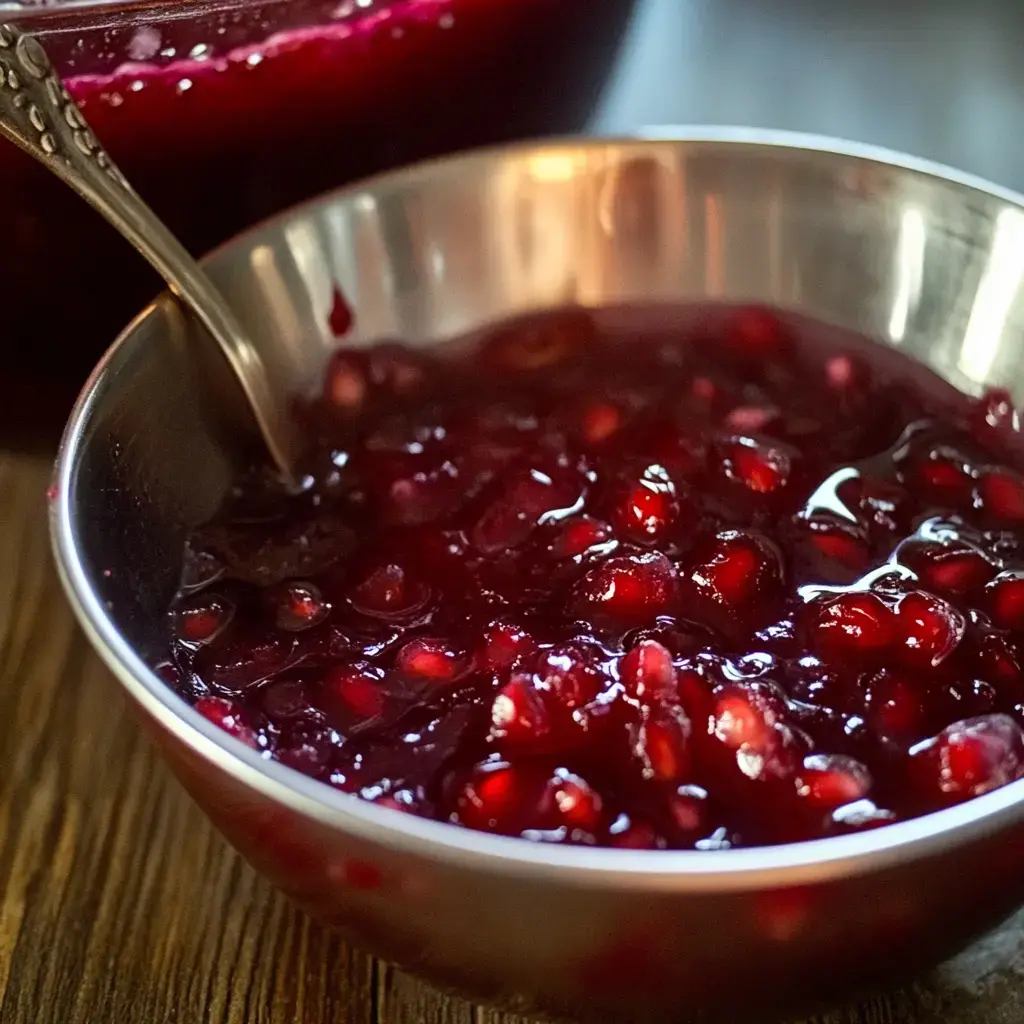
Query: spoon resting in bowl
x=39 y=116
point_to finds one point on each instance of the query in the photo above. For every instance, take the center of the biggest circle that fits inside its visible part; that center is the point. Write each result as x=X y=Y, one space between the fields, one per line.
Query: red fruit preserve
x=222 y=114
x=649 y=578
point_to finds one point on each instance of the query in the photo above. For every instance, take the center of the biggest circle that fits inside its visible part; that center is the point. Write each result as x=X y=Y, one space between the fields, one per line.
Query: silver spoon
x=37 y=114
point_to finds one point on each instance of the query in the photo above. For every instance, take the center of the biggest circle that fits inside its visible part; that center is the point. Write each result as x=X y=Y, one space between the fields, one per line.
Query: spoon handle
x=38 y=114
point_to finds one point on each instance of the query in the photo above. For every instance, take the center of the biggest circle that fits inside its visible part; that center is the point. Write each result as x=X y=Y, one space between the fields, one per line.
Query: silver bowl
x=924 y=260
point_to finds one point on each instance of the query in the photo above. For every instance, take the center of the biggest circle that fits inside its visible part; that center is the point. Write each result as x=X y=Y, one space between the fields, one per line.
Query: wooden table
x=120 y=905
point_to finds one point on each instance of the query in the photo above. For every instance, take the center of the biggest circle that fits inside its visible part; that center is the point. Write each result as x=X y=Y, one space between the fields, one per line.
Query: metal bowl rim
x=692 y=871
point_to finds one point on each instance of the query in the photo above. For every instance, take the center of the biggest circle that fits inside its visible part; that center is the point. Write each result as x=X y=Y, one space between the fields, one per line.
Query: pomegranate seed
x=628 y=834
x=432 y=660
x=846 y=373
x=745 y=717
x=704 y=390
x=828 y=781
x=1002 y=491
x=761 y=468
x=688 y=811
x=527 y=500
x=747 y=722
x=599 y=422
x=695 y=696
x=757 y=333
x=495 y=798
x=299 y=606
x=974 y=756
x=575 y=803
x=580 y=535
x=203 y=618
x=649 y=508
x=893 y=706
x=537 y=711
x=857 y=624
x=839 y=543
x=648 y=674
x=998 y=661
x=661 y=743
x=931 y=628
x=1005 y=599
x=227 y=715
x=743 y=567
x=945 y=474
x=954 y=568
x=388 y=592
x=958 y=573
x=566 y=673
x=502 y=798
x=346 y=386
x=506 y=645
x=749 y=419
x=358 y=689
x=627 y=590
x=519 y=716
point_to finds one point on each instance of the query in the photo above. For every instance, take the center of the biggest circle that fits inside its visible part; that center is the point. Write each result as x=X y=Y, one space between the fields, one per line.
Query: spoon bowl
x=922 y=259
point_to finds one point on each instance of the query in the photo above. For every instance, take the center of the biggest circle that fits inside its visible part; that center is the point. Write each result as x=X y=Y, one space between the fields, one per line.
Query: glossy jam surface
x=223 y=114
x=708 y=580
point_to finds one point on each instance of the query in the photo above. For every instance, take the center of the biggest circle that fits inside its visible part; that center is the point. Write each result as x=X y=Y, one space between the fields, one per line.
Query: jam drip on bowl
x=656 y=579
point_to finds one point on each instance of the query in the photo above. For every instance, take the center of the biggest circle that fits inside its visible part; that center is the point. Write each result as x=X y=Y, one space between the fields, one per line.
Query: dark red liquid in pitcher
x=222 y=117
x=721 y=579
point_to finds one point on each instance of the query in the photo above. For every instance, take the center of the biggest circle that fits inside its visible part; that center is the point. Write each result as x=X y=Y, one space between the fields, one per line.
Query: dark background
x=936 y=78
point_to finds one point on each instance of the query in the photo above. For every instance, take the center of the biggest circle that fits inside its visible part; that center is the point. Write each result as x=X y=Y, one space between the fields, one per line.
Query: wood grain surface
x=119 y=904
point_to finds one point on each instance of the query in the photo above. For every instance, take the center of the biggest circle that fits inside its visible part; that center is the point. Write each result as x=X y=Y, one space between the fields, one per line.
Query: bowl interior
x=924 y=261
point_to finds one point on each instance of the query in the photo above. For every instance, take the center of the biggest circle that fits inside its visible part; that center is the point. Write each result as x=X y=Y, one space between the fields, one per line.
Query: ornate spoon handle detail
x=38 y=114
